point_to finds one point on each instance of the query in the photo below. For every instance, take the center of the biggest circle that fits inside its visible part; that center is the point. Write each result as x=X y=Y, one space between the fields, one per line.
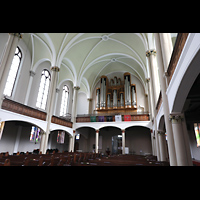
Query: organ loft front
x=116 y=95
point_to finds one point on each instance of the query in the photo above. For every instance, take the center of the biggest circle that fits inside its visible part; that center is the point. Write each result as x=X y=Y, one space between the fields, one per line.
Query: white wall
x=82 y=103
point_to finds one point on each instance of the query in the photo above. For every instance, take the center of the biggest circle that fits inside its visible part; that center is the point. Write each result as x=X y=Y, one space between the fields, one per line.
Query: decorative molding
x=76 y=87
x=32 y=73
x=148 y=80
x=151 y=52
x=176 y=118
x=19 y=35
x=55 y=68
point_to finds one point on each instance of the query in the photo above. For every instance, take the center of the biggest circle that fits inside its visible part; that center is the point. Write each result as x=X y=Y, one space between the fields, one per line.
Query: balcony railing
x=143 y=116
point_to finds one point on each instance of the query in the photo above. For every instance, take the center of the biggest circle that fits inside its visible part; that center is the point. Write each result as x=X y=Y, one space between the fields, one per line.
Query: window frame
x=62 y=99
x=43 y=89
x=17 y=72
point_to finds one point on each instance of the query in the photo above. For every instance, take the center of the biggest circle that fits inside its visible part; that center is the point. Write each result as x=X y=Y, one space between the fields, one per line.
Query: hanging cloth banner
x=61 y=137
x=101 y=118
x=109 y=118
x=127 y=118
x=92 y=118
x=118 y=118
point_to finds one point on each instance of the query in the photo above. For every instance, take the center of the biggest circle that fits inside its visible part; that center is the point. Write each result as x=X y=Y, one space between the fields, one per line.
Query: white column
x=89 y=105
x=151 y=55
x=163 y=153
x=179 y=139
x=73 y=140
x=74 y=105
x=56 y=100
x=153 y=94
x=166 y=45
x=97 y=141
x=123 y=141
x=32 y=74
x=19 y=130
x=170 y=138
x=50 y=104
x=70 y=143
x=7 y=61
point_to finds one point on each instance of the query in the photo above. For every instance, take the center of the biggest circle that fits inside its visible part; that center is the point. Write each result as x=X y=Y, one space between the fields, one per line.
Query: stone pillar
x=154 y=95
x=70 y=143
x=74 y=105
x=97 y=141
x=89 y=105
x=50 y=103
x=73 y=140
x=123 y=141
x=32 y=74
x=170 y=138
x=151 y=55
x=179 y=139
x=163 y=150
x=6 y=61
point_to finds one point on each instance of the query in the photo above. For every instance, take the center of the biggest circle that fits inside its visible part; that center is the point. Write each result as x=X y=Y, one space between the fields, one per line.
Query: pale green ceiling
x=84 y=57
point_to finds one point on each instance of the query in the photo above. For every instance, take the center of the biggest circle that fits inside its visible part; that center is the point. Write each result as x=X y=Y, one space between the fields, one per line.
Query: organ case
x=116 y=94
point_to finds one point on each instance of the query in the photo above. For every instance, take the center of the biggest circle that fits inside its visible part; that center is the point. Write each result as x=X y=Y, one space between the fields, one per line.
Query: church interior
x=99 y=99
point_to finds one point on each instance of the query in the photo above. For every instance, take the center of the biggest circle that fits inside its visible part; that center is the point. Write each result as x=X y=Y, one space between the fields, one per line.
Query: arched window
x=13 y=72
x=43 y=89
x=64 y=101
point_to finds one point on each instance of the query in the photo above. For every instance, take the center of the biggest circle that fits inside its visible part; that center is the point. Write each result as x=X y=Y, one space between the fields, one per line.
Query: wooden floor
x=78 y=159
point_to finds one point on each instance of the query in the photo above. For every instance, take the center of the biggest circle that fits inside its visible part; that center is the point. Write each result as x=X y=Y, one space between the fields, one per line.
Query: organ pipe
x=115 y=94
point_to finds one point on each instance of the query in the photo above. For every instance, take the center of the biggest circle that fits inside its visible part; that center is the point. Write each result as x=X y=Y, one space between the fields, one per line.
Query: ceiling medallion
x=113 y=60
x=104 y=37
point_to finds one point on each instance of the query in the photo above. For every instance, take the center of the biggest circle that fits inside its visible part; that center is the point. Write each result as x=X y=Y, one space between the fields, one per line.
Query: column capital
x=176 y=118
x=32 y=73
x=74 y=131
x=160 y=132
x=55 y=69
x=123 y=130
x=89 y=99
x=151 y=52
x=97 y=131
x=57 y=90
x=19 y=35
x=76 y=87
x=147 y=80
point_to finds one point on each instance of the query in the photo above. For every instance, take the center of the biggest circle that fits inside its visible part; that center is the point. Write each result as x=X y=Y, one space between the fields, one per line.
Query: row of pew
x=78 y=159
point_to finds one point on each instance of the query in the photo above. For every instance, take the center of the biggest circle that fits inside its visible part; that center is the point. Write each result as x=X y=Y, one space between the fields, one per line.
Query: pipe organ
x=116 y=94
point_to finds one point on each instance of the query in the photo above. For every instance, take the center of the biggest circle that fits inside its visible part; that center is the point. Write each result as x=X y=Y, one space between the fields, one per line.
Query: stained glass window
x=13 y=72
x=35 y=134
x=64 y=101
x=43 y=89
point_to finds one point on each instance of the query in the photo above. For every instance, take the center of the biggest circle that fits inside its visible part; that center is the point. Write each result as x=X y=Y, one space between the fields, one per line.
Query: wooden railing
x=134 y=117
x=178 y=47
x=61 y=121
x=19 y=108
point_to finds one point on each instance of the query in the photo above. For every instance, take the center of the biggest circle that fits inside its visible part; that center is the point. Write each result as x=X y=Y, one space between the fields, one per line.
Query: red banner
x=127 y=118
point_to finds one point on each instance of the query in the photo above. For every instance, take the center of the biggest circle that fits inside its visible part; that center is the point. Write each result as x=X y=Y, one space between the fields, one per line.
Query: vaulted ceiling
x=84 y=57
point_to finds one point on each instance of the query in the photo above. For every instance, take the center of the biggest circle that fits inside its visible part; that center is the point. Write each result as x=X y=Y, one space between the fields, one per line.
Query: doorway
x=117 y=144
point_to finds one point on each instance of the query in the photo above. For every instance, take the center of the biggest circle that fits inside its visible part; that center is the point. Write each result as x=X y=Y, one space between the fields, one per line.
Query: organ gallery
x=116 y=94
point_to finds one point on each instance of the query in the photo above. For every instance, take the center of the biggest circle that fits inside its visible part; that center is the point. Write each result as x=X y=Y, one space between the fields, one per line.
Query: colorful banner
x=92 y=118
x=109 y=118
x=118 y=118
x=61 y=137
x=101 y=118
x=127 y=118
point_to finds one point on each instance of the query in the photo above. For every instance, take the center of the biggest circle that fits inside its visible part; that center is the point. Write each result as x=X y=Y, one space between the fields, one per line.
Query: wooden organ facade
x=116 y=94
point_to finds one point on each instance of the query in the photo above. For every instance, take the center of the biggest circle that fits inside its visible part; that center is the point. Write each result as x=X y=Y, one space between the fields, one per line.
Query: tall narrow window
x=13 y=72
x=43 y=89
x=64 y=101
